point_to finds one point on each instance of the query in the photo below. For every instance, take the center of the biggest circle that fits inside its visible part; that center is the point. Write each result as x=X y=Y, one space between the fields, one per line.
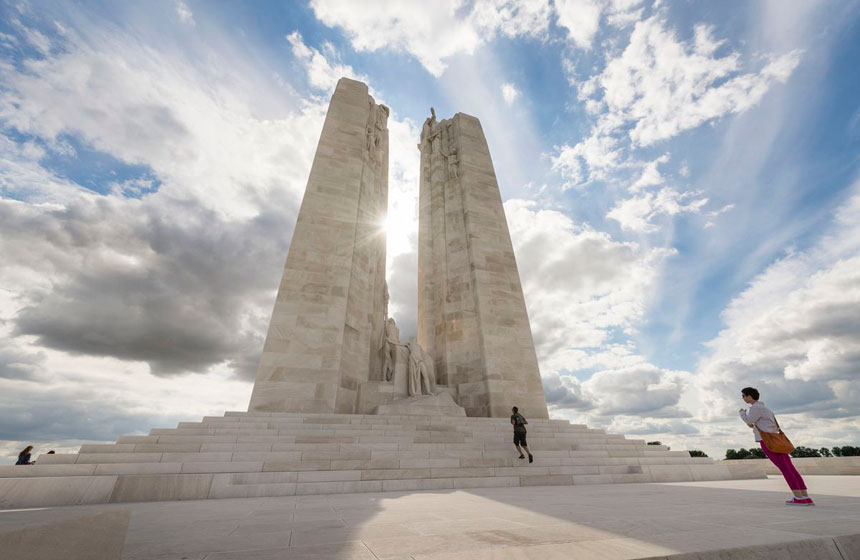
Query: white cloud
x=322 y=74
x=794 y=333
x=638 y=398
x=428 y=32
x=510 y=93
x=711 y=223
x=638 y=213
x=584 y=291
x=659 y=87
x=651 y=174
x=184 y=13
x=21 y=174
x=637 y=426
x=581 y=18
x=100 y=292
x=200 y=128
x=34 y=38
x=643 y=389
x=592 y=159
x=663 y=86
x=513 y=18
x=434 y=32
x=580 y=285
x=564 y=391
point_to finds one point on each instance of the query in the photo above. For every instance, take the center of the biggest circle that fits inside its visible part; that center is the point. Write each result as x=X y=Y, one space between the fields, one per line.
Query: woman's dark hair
x=515 y=409
x=27 y=449
x=750 y=392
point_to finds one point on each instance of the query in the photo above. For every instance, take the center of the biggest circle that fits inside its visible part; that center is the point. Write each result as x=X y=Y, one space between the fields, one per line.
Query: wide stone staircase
x=252 y=454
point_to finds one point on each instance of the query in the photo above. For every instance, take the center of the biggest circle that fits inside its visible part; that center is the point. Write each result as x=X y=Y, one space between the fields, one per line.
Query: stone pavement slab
x=702 y=520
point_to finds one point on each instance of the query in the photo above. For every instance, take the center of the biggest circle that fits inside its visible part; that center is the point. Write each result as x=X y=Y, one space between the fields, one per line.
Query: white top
x=760 y=416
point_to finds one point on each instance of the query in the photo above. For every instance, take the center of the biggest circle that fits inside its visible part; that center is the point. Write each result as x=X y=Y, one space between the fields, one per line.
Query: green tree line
x=800 y=451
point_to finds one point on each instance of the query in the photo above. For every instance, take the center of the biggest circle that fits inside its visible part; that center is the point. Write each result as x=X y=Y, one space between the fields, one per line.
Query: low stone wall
x=812 y=465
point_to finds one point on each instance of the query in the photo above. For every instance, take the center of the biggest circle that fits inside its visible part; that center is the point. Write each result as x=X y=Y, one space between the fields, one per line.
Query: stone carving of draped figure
x=422 y=373
x=389 y=349
x=394 y=358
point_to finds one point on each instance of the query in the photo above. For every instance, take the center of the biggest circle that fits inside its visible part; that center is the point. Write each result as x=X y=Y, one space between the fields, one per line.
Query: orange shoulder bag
x=778 y=442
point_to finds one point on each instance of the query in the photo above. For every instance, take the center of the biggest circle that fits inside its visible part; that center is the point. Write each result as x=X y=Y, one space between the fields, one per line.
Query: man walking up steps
x=519 y=422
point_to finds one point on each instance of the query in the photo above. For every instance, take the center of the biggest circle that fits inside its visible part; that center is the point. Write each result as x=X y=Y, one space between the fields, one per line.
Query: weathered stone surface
x=472 y=317
x=53 y=491
x=328 y=317
x=98 y=536
x=738 y=520
x=426 y=405
x=159 y=488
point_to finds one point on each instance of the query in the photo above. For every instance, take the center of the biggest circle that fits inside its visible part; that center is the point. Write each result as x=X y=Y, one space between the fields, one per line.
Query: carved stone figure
x=430 y=132
x=375 y=130
x=452 y=164
x=422 y=374
x=389 y=349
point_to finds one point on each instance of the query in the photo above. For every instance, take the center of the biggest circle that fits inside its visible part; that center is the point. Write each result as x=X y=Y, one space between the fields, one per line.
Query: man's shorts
x=520 y=439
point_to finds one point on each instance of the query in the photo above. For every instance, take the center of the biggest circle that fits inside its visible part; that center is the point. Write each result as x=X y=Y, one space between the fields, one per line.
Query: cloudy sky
x=681 y=181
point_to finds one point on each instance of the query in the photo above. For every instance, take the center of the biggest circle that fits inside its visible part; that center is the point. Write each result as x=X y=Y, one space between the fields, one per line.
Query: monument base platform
x=728 y=520
x=254 y=454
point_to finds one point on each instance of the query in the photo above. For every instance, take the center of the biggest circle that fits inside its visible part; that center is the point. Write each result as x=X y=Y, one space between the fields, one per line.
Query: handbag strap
x=774 y=421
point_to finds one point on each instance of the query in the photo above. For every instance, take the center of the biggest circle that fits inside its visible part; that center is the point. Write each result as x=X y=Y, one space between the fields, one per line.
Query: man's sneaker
x=800 y=502
x=522 y=456
x=531 y=458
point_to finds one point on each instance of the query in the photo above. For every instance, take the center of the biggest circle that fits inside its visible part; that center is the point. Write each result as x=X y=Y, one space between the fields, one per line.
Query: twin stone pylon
x=325 y=349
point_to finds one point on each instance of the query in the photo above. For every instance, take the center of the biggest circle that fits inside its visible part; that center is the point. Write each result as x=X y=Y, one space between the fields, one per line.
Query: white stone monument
x=340 y=403
x=331 y=346
x=329 y=315
x=472 y=316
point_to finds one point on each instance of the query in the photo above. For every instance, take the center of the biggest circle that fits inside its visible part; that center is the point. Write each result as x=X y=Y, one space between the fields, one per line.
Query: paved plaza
x=727 y=519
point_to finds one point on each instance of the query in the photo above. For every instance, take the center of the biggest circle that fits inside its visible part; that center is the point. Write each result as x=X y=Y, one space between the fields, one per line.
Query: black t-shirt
x=519 y=422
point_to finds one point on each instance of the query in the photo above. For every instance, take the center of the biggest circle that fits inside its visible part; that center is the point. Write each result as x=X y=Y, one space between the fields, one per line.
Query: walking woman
x=24 y=456
x=761 y=419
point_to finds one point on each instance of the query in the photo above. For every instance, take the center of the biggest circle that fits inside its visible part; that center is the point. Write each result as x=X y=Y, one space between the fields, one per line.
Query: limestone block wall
x=331 y=299
x=472 y=316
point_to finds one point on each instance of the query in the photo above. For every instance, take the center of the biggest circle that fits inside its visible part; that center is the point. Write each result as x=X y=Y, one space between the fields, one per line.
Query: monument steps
x=253 y=454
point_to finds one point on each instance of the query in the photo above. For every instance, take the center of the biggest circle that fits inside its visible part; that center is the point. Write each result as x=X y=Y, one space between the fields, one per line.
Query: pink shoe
x=800 y=502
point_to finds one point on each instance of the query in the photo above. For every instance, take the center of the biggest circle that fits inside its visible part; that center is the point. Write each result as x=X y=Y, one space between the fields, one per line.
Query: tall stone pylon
x=472 y=316
x=327 y=324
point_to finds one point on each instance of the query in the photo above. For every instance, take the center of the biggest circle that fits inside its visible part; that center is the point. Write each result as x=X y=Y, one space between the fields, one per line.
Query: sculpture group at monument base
x=252 y=454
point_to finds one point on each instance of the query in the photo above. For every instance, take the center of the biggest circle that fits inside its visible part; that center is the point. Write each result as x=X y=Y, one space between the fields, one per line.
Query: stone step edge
x=236 y=467
x=388 y=429
x=187 y=446
x=320 y=456
x=59 y=491
x=395 y=417
x=327 y=475
x=124 y=449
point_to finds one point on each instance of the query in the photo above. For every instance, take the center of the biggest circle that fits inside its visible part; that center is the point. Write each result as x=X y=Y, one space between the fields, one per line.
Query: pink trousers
x=785 y=466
